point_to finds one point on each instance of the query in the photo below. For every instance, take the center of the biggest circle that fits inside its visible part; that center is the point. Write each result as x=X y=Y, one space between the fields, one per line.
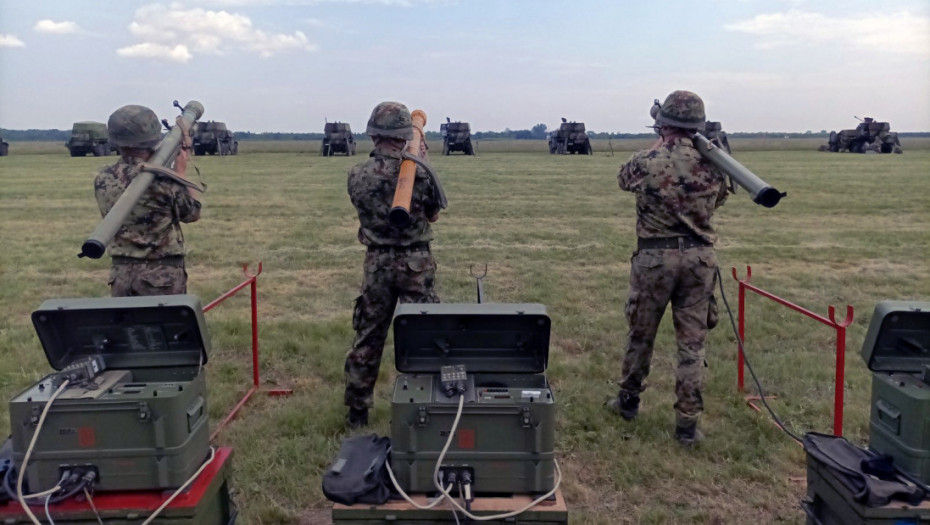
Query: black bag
x=359 y=475
x=857 y=470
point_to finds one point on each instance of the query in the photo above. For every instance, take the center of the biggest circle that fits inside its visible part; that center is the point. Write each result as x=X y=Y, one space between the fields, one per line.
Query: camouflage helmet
x=390 y=119
x=134 y=127
x=681 y=109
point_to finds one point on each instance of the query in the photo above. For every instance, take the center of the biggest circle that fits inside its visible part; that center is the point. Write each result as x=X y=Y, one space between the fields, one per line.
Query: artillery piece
x=570 y=138
x=868 y=137
x=456 y=136
x=337 y=138
x=213 y=138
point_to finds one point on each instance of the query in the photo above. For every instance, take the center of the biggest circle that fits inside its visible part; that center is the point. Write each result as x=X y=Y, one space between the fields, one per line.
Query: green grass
x=854 y=229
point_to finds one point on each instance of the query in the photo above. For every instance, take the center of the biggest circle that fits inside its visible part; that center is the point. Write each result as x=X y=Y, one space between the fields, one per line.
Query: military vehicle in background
x=713 y=132
x=212 y=138
x=337 y=138
x=456 y=136
x=570 y=138
x=4 y=148
x=868 y=137
x=89 y=137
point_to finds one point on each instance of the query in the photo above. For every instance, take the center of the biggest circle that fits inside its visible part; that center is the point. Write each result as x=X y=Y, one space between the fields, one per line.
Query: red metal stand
x=840 y=328
x=253 y=287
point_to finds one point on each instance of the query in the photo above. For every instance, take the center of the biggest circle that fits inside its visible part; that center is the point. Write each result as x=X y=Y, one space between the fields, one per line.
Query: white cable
x=445 y=492
x=32 y=444
x=404 y=494
x=92 y=506
x=455 y=504
x=47 y=513
x=181 y=488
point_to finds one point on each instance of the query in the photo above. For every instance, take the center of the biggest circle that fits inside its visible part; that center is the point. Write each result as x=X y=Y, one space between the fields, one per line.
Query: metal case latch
x=422 y=417
x=525 y=418
x=145 y=414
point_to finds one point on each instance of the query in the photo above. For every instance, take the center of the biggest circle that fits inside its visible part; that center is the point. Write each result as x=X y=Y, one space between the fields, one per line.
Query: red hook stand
x=251 y=282
x=839 y=327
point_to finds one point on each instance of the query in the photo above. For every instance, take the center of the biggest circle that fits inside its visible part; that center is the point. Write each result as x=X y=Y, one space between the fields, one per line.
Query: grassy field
x=854 y=229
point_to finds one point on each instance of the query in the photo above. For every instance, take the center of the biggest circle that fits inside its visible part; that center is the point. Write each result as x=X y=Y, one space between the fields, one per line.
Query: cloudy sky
x=286 y=65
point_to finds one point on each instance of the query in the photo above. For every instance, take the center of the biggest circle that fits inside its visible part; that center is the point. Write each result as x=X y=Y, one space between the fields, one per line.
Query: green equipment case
x=829 y=502
x=141 y=422
x=897 y=351
x=506 y=435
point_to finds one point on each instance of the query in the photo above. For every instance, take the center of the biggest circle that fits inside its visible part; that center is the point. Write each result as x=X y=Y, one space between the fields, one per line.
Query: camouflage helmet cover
x=134 y=126
x=390 y=119
x=682 y=109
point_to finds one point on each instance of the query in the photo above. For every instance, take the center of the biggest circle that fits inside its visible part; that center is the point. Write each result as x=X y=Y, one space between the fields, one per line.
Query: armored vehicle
x=212 y=138
x=337 y=138
x=868 y=137
x=88 y=137
x=713 y=131
x=456 y=136
x=570 y=138
x=4 y=148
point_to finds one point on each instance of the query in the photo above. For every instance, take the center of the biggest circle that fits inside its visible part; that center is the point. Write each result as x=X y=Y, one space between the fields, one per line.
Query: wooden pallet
x=552 y=512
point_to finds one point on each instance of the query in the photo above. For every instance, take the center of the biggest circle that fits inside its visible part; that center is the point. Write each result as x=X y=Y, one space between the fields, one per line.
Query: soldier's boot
x=626 y=404
x=688 y=435
x=357 y=418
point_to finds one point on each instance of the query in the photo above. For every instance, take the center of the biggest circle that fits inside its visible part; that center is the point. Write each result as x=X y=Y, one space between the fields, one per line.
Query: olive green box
x=897 y=351
x=142 y=423
x=506 y=434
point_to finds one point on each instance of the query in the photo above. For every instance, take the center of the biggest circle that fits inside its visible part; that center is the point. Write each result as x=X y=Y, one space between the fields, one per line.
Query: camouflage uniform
x=676 y=194
x=398 y=264
x=148 y=250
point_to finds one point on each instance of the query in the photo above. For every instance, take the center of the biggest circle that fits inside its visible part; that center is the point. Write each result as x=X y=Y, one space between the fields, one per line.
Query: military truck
x=868 y=137
x=570 y=138
x=713 y=131
x=4 y=148
x=456 y=136
x=337 y=138
x=212 y=138
x=89 y=137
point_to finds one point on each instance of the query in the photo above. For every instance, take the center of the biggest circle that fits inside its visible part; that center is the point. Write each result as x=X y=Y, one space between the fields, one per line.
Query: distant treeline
x=537 y=133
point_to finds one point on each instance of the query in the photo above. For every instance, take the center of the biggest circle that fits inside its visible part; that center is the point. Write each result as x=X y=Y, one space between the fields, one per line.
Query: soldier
x=398 y=262
x=676 y=194
x=148 y=250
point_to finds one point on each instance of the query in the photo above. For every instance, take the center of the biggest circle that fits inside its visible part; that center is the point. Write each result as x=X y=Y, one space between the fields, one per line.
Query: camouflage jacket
x=371 y=190
x=153 y=228
x=676 y=191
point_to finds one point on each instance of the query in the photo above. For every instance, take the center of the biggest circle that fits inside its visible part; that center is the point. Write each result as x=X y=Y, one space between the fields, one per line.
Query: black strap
x=171 y=260
x=671 y=243
x=415 y=247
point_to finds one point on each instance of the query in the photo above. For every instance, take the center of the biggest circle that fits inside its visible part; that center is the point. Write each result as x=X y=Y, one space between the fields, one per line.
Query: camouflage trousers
x=148 y=278
x=390 y=276
x=685 y=278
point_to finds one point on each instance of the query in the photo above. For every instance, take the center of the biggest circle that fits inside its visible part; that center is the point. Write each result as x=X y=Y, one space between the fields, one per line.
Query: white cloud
x=178 y=53
x=55 y=28
x=10 y=41
x=200 y=31
x=893 y=33
x=246 y=3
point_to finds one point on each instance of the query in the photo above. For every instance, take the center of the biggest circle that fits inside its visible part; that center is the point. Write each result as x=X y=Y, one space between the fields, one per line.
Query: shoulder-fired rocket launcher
x=163 y=157
x=758 y=189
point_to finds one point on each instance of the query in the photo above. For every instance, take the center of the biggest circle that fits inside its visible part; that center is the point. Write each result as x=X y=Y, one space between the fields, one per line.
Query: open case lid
x=898 y=339
x=129 y=332
x=485 y=337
